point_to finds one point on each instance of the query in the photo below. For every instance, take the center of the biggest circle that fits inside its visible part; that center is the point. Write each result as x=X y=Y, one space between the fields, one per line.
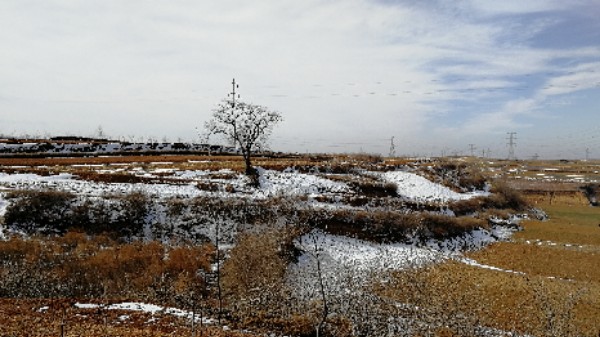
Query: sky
x=440 y=77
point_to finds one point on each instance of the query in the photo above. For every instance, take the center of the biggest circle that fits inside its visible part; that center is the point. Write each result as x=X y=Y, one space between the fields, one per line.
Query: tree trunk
x=250 y=171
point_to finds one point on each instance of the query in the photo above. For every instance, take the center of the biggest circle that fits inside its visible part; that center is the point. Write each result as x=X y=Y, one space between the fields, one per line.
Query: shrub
x=443 y=226
x=467 y=206
x=503 y=196
x=91 y=267
x=39 y=211
x=591 y=192
x=254 y=274
x=133 y=216
x=55 y=212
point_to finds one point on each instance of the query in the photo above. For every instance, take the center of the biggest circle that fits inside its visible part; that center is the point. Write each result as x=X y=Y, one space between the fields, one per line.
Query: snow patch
x=147 y=308
x=274 y=183
x=415 y=187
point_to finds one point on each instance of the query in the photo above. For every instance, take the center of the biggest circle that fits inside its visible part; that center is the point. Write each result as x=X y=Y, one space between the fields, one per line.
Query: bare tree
x=246 y=125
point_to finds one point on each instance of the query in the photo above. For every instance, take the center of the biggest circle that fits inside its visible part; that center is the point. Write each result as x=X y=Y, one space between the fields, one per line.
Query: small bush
x=39 y=211
x=442 y=226
x=55 y=212
x=76 y=265
x=503 y=197
x=472 y=180
x=377 y=189
x=591 y=191
x=468 y=206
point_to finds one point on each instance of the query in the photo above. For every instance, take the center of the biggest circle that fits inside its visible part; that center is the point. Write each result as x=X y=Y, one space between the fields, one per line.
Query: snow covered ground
x=347 y=262
x=272 y=183
x=418 y=188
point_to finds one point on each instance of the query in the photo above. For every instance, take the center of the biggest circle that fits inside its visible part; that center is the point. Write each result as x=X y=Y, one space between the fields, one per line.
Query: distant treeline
x=91 y=146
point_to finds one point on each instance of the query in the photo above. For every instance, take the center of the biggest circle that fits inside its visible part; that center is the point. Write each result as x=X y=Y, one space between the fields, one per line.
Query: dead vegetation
x=463 y=298
x=58 y=317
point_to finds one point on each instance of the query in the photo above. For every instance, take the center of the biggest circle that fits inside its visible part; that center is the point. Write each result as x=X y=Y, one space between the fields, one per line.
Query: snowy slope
x=415 y=187
x=347 y=262
x=274 y=183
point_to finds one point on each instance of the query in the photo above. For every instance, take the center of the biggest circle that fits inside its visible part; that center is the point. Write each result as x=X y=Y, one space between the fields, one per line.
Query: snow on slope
x=292 y=183
x=348 y=262
x=272 y=183
x=363 y=255
x=66 y=182
x=415 y=187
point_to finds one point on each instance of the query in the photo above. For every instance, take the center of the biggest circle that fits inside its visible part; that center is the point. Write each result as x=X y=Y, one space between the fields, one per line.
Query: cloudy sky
x=347 y=75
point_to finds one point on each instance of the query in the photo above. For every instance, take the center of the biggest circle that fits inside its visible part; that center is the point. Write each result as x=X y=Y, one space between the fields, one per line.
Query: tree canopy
x=246 y=125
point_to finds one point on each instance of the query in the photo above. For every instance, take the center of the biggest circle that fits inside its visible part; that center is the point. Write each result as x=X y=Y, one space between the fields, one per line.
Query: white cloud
x=336 y=69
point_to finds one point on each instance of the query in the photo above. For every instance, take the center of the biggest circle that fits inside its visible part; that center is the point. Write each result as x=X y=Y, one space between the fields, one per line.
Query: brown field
x=190 y=162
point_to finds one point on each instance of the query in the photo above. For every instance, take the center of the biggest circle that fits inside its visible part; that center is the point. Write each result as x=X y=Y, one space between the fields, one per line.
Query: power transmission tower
x=392 y=148
x=472 y=149
x=587 y=154
x=232 y=94
x=511 y=145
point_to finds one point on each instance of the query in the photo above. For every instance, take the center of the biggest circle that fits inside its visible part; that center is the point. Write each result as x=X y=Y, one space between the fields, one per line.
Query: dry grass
x=568 y=224
x=511 y=302
x=23 y=318
x=546 y=261
x=76 y=165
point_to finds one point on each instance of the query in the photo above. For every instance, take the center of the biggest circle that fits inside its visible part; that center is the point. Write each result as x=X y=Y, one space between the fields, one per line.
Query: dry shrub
x=189 y=259
x=56 y=212
x=295 y=325
x=254 y=276
x=468 y=206
x=592 y=191
x=23 y=318
x=38 y=211
x=372 y=188
x=471 y=178
x=443 y=226
x=125 y=178
x=78 y=266
x=361 y=158
x=391 y=226
x=503 y=197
